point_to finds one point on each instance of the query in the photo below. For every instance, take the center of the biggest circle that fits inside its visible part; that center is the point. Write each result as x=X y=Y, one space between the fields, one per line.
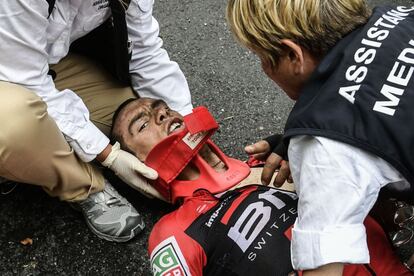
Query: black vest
x=362 y=93
x=108 y=44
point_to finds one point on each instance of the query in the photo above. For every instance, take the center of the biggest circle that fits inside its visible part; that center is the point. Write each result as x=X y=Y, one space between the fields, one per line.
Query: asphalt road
x=223 y=76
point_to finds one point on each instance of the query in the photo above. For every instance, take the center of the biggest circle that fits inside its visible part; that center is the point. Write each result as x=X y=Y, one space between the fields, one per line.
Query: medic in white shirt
x=56 y=106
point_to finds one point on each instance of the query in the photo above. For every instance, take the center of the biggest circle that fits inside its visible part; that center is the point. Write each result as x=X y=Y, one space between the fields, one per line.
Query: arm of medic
x=127 y=167
x=153 y=75
x=273 y=151
x=152 y=72
x=24 y=29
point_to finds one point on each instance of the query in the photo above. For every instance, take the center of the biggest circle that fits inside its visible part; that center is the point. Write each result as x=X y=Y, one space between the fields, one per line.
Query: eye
x=143 y=126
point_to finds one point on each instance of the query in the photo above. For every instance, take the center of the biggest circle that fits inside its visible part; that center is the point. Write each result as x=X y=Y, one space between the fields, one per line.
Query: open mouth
x=175 y=126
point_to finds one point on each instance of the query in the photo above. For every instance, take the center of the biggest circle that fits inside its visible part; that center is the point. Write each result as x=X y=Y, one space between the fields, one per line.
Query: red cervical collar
x=170 y=156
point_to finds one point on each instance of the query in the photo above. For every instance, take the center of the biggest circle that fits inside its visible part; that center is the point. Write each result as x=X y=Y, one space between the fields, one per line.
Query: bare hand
x=259 y=150
x=262 y=151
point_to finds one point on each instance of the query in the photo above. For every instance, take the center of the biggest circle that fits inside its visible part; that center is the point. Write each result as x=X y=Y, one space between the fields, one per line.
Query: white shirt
x=337 y=185
x=30 y=41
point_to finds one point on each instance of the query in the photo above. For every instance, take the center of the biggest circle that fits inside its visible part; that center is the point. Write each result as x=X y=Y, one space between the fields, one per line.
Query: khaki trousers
x=32 y=148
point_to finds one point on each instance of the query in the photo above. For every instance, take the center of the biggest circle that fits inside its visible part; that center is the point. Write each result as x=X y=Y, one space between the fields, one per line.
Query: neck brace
x=170 y=156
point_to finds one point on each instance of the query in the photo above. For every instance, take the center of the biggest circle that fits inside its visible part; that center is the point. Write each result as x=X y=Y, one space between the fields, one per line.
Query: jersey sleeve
x=384 y=260
x=172 y=252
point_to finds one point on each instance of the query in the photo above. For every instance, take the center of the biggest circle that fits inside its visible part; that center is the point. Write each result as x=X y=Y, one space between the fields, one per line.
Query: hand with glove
x=274 y=152
x=128 y=168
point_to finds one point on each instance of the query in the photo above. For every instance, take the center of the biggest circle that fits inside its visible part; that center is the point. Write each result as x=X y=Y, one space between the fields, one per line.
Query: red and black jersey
x=244 y=232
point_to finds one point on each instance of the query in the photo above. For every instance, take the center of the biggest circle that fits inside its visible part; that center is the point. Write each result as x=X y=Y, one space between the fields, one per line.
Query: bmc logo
x=167 y=259
x=256 y=216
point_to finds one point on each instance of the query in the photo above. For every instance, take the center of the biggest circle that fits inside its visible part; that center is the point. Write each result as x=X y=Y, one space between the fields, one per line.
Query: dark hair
x=114 y=137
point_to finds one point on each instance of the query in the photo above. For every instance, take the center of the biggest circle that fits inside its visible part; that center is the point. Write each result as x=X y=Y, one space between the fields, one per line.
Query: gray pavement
x=223 y=76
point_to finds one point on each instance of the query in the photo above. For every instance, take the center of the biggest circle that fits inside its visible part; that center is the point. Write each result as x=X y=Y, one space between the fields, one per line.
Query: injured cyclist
x=217 y=229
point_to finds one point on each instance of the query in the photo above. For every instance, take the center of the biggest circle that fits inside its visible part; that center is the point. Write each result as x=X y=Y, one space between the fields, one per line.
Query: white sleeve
x=153 y=74
x=337 y=185
x=24 y=61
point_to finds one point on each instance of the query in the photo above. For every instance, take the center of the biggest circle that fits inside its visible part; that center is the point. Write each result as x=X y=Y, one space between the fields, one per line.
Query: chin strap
x=209 y=179
x=174 y=153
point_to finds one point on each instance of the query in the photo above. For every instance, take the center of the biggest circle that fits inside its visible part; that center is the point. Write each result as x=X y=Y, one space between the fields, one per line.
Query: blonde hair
x=316 y=25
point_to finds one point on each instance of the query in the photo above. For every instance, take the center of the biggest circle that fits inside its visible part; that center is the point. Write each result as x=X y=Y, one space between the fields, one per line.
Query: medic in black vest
x=350 y=133
x=362 y=93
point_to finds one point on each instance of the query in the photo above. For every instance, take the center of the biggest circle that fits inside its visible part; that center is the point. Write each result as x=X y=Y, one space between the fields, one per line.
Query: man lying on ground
x=216 y=230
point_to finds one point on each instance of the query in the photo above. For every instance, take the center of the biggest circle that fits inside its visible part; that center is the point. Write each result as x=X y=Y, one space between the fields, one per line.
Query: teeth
x=175 y=126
